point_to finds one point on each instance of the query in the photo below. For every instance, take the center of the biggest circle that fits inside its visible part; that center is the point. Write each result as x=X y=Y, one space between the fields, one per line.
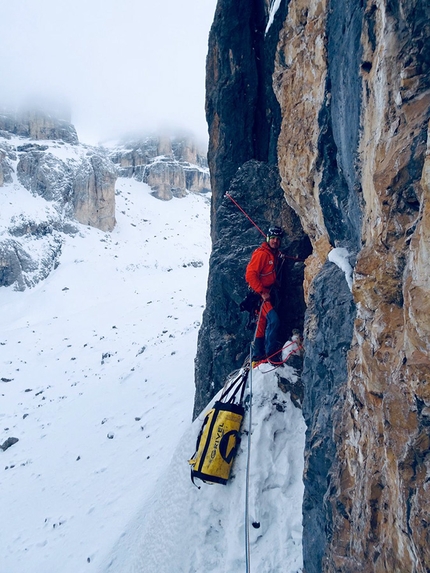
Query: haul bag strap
x=210 y=430
x=229 y=407
x=199 y=437
x=207 y=478
x=239 y=382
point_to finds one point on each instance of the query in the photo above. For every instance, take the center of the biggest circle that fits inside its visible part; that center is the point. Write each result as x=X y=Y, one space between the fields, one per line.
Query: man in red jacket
x=261 y=276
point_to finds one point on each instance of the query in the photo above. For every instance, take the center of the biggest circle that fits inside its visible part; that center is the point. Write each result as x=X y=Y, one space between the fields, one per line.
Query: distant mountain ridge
x=171 y=166
x=70 y=182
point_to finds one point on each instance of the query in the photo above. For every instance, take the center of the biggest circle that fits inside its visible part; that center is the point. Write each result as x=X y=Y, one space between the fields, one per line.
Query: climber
x=261 y=278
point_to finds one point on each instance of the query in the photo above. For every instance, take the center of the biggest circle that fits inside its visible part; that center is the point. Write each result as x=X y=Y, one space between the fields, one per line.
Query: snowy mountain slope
x=42 y=184
x=96 y=383
x=185 y=529
x=93 y=360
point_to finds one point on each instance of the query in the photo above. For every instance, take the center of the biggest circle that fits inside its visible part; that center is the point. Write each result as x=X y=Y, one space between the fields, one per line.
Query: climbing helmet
x=274 y=232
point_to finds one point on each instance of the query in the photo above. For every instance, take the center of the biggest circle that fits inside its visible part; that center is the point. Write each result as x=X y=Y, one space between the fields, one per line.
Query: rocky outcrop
x=341 y=91
x=37 y=124
x=196 y=179
x=94 y=193
x=172 y=167
x=20 y=267
x=76 y=183
x=85 y=190
x=45 y=174
x=166 y=179
x=6 y=157
x=243 y=125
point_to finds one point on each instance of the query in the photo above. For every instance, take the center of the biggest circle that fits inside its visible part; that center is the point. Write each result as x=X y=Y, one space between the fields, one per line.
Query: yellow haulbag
x=217 y=443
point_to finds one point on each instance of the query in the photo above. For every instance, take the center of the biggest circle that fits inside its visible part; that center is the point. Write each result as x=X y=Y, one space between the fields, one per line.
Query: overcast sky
x=118 y=65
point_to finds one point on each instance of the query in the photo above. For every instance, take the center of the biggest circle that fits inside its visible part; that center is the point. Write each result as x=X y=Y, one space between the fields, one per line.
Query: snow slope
x=92 y=362
x=96 y=382
x=185 y=529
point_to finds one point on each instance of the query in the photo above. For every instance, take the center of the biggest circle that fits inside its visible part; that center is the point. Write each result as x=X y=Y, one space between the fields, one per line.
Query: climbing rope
x=278 y=363
x=247 y=545
x=298 y=347
x=246 y=215
x=248 y=461
x=257 y=227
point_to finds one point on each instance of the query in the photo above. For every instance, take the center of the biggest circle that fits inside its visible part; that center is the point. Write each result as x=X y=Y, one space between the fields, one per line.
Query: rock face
x=94 y=193
x=244 y=120
x=170 y=166
x=66 y=184
x=37 y=124
x=6 y=156
x=333 y=100
x=166 y=178
x=85 y=190
x=44 y=174
x=19 y=267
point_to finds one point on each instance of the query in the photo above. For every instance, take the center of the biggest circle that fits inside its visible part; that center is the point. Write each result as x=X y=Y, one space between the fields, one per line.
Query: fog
x=113 y=66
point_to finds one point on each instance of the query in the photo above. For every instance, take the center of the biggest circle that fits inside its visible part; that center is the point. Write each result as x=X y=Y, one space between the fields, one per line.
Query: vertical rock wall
x=94 y=193
x=353 y=79
x=350 y=121
x=381 y=470
x=244 y=119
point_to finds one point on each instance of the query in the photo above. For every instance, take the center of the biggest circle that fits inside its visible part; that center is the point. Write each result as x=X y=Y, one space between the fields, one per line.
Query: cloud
x=117 y=65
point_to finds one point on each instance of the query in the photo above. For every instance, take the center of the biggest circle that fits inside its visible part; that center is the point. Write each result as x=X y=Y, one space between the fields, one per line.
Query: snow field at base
x=96 y=378
x=188 y=530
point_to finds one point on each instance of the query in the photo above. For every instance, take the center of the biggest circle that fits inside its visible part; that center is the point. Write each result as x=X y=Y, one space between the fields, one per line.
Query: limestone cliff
x=38 y=124
x=244 y=119
x=94 y=192
x=171 y=166
x=332 y=97
x=53 y=185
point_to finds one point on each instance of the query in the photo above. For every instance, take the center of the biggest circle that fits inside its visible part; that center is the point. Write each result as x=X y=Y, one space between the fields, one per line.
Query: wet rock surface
x=327 y=339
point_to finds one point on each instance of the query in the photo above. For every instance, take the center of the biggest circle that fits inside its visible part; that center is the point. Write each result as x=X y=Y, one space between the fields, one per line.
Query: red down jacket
x=261 y=270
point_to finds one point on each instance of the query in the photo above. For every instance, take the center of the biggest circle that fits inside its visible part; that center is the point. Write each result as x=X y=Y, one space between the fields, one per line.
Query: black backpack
x=251 y=303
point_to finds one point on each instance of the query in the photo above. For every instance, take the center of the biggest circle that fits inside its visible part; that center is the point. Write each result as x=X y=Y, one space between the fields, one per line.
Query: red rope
x=299 y=347
x=247 y=216
x=294 y=258
x=256 y=226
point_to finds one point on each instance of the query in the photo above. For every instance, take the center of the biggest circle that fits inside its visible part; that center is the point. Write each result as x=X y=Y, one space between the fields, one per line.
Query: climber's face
x=274 y=243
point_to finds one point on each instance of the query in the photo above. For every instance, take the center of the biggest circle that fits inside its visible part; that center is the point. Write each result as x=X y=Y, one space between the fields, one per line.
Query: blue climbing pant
x=271 y=336
x=266 y=341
